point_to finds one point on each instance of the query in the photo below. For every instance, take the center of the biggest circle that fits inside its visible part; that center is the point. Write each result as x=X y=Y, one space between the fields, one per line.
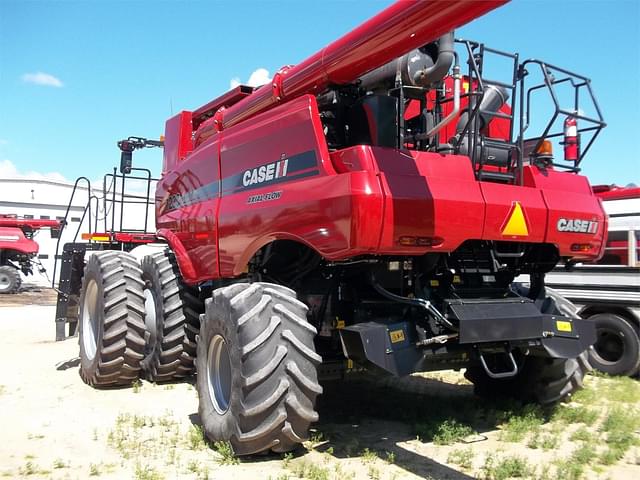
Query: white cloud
x=41 y=78
x=9 y=170
x=258 y=77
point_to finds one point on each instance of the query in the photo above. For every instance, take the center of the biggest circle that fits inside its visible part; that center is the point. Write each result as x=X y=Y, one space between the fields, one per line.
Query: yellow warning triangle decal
x=516 y=224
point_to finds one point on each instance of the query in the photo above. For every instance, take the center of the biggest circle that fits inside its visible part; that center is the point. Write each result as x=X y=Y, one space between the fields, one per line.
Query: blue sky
x=76 y=76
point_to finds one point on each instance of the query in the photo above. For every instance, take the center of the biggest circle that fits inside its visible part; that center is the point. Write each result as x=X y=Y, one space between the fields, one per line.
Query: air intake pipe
x=417 y=68
x=492 y=101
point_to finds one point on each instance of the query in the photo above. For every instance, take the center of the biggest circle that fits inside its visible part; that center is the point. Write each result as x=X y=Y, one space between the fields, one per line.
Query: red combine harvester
x=18 y=249
x=370 y=205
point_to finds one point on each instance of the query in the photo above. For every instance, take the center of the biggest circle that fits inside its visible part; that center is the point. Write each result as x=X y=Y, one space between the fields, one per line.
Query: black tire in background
x=257 y=379
x=617 y=348
x=541 y=380
x=10 y=280
x=172 y=319
x=111 y=323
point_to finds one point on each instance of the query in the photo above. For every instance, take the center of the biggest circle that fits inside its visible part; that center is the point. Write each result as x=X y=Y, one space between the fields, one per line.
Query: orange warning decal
x=516 y=224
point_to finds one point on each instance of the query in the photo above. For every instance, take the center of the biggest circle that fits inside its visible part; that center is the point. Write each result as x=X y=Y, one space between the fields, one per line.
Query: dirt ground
x=54 y=426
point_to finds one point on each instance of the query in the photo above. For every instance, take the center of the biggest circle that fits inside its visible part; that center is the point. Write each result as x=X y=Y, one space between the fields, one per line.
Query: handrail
x=577 y=81
x=64 y=221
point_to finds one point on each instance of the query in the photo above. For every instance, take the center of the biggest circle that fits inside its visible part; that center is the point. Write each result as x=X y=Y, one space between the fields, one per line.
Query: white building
x=49 y=199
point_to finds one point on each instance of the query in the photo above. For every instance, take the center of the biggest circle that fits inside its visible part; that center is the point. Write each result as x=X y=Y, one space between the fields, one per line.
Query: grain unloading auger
x=370 y=205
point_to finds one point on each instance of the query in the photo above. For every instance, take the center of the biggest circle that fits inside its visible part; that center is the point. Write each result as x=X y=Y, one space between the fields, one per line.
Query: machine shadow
x=370 y=414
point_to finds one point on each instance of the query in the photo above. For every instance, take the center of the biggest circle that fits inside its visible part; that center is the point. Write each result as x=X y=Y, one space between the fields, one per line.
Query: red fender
x=184 y=262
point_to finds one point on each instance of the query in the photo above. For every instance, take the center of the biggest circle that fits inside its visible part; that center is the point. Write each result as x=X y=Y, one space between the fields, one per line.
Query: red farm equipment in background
x=18 y=249
x=371 y=205
x=607 y=292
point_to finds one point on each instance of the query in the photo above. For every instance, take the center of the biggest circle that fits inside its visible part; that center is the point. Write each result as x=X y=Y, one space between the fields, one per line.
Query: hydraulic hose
x=416 y=302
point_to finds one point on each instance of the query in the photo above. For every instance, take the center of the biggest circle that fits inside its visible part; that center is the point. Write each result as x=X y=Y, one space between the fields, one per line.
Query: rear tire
x=542 y=380
x=10 y=279
x=111 y=320
x=257 y=379
x=617 y=349
x=172 y=318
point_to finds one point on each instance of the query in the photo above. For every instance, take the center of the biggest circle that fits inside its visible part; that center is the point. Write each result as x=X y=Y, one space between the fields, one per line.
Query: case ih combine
x=18 y=249
x=374 y=204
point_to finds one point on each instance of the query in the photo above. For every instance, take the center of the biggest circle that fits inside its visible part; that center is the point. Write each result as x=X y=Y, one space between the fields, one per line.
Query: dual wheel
x=136 y=318
x=256 y=362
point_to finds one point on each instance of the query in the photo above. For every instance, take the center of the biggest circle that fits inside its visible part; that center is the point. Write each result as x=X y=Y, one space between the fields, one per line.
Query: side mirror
x=126 y=162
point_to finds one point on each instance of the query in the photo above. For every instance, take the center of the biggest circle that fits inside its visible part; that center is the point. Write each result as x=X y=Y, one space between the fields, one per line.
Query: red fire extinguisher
x=571 y=140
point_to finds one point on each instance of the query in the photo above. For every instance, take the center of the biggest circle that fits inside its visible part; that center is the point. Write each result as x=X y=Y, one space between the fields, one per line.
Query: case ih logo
x=265 y=173
x=577 y=226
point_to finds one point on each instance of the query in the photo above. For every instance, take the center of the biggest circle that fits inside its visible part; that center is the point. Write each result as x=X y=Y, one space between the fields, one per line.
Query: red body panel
x=13 y=239
x=364 y=204
x=258 y=169
x=187 y=202
x=569 y=196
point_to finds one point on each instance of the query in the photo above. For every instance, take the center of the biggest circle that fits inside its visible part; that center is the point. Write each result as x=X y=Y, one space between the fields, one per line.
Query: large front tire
x=541 y=380
x=172 y=318
x=257 y=379
x=111 y=320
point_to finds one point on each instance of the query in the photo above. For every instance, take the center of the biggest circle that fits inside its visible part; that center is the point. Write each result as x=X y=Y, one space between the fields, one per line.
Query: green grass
x=506 y=467
x=368 y=456
x=29 y=468
x=585 y=454
x=569 y=470
x=575 y=414
x=310 y=471
x=619 y=426
x=447 y=432
x=461 y=457
x=518 y=426
x=94 y=470
x=583 y=434
x=196 y=438
x=145 y=472
x=622 y=390
x=225 y=451
x=373 y=473
x=136 y=386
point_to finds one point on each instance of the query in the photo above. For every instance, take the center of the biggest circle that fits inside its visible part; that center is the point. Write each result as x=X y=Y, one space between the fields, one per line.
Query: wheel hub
x=90 y=321
x=219 y=374
x=609 y=347
x=5 y=282
x=149 y=320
